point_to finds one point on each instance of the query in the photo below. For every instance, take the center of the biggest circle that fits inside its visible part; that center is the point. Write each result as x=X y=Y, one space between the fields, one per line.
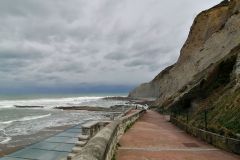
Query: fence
x=228 y=144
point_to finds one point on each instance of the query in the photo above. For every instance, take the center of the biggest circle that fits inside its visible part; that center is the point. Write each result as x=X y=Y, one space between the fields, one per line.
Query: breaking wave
x=28 y=118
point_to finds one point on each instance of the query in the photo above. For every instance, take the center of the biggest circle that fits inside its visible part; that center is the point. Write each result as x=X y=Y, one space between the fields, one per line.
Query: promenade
x=152 y=137
x=56 y=147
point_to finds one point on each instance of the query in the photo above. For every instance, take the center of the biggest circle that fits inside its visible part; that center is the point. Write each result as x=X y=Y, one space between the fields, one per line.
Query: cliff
x=203 y=86
x=213 y=35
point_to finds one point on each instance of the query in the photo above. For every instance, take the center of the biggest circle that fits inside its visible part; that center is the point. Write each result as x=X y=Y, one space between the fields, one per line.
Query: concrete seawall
x=103 y=145
x=228 y=144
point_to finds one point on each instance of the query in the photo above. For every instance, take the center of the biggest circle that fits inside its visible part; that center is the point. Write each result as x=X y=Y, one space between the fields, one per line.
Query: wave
x=27 y=118
x=6 y=106
x=6 y=140
x=34 y=117
x=47 y=102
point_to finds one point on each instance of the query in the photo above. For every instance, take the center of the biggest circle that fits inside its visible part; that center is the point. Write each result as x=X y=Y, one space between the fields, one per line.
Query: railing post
x=205 y=119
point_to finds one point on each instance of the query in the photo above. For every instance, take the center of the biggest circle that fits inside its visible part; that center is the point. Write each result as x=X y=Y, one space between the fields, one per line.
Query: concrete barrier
x=92 y=127
x=225 y=143
x=103 y=145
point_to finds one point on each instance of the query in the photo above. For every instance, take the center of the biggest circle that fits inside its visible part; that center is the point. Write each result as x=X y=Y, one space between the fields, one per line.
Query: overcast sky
x=91 y=42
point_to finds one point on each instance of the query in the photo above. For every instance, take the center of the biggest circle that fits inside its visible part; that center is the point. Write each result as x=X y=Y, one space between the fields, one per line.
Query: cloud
x=46 y=43
x=116 y=56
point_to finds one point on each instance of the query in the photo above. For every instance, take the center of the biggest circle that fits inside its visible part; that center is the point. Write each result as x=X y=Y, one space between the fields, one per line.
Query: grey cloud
x=116 y=56
x=67 y=67
x=12 y=66
x=138 y=62
x=17 y=8
x=15 y=54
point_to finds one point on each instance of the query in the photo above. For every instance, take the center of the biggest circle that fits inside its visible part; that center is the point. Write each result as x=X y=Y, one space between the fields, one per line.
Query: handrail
x=220 y=141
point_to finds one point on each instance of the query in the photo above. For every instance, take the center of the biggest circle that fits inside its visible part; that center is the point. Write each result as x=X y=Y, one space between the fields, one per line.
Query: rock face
x=214 y=37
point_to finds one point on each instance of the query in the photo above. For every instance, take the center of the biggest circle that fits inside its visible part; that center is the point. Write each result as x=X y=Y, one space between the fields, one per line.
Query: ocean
x=17 y=122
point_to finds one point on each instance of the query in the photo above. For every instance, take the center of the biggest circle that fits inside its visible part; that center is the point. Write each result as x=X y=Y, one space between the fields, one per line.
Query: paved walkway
x=152 y=137
x=54 y=148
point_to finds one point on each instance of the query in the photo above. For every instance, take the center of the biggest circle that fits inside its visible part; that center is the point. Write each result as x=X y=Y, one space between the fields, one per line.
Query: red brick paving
x=152 y=137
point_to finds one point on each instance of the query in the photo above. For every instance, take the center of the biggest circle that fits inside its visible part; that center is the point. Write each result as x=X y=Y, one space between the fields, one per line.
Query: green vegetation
x=218 y=102
x=223 y=115
x=114 y=157
x=128 y=127
x=226 y=113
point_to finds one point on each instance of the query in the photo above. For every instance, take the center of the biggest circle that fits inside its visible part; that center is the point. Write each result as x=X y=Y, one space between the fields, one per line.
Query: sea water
x=26 y=121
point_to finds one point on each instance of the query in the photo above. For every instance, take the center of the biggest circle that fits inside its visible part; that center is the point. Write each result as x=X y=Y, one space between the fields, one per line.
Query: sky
x=71 y=45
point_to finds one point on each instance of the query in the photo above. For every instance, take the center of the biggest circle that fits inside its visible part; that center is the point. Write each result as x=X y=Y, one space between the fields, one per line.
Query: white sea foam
x=47 y=102
x=27 y=118
x=3 y=106
x=6 y=140
x=7 y=122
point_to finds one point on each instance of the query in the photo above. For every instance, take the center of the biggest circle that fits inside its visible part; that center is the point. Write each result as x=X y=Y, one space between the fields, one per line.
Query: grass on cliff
x=223 y=115
x=226 y=113
x=219 y=98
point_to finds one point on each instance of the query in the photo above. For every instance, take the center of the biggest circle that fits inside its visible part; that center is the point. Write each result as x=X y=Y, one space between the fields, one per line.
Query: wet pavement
x=54 y=148
x=152 y=137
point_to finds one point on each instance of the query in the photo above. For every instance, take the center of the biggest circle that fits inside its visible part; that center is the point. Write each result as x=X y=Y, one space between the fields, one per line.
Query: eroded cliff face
x=214 y=36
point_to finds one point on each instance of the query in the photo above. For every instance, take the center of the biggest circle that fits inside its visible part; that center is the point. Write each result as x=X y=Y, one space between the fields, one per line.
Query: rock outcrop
x=213 y=39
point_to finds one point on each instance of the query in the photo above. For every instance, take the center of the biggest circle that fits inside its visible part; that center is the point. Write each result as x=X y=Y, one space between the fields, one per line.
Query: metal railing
x=220 y=141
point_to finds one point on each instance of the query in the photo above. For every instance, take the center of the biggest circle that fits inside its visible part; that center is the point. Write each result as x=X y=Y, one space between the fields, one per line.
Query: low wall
x=228 y=144
x=124 y=113
x=103 y=145
x=93 y=127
